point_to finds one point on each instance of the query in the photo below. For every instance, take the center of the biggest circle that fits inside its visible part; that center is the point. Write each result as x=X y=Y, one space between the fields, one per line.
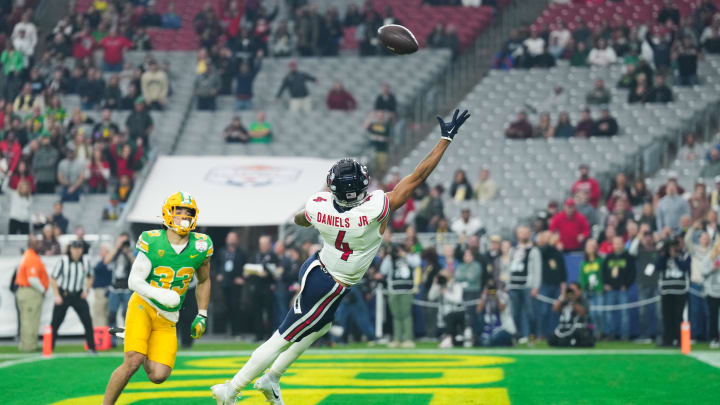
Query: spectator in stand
x=139 y=123
x=712 y=168
x=710 y=38
x=170 y=19
x=207 y=86
x=49 y=246
x=524 y=282
x=599 y=94
x=378 y=129
x=236 y=132
x=26 y=101
x=466 y=225
x=585 y=208
x=520 y=128
x=91 y=89
x=340 y=99
x=282 y=41
x=544 y=128
x=430 y=210
x=618 y=275
x=643 y=249
x=627 y=80
x=553 y=282
x=126 y=161
x=22 y=173
x=58 y=218
x=260 y=129
x=669 y=12
x=661 y=93
x=670 y=209
x=44 y=165
x=244 y=82
x=590 y=279
x=460 y=189
x=24 y=35
x=641 y=92
x=83 y=44
x=580 y=54
x=71 y=176
x=560 y=34
x=485 y=188
x=602 y=54
x=672 y=178
x=106 y=128
x=686 y=55
x=620 y=189
x=564 y=128
x=386 y=101
x=155 y=86
x=639 y=194
x=32 y=281
x=535 y=46
x=585 y=126
x=699 y=202
x=98 y=171
x=296 y=84
x=606 y=125
x=588 y=184
x=113 y=95
x=114 y=46
x=20 y=211
x=571 y=226
x=690 y=150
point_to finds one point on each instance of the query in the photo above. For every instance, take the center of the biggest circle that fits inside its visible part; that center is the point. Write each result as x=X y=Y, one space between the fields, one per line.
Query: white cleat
x=270 y=389
x=224 y=394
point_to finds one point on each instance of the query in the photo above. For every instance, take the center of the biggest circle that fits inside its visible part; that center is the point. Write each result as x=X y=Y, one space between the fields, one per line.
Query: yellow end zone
x=337 y=374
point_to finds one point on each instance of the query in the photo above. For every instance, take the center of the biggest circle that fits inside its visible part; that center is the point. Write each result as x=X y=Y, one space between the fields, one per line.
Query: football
x=398 y=39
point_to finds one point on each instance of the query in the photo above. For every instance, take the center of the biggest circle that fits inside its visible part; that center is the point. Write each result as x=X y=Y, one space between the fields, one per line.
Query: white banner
x=233 y=190
x=8 y=311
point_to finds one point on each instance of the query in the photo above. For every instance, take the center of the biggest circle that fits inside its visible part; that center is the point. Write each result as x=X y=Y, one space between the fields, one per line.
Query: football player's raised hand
x=448 y=130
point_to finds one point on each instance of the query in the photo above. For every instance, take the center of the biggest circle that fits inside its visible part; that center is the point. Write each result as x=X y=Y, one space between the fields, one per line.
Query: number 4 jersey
x=351 y=238
x=170 y=269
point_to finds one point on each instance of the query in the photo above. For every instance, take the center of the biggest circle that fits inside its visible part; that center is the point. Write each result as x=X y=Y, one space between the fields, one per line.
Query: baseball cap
x=77 y=244
x=570 y=202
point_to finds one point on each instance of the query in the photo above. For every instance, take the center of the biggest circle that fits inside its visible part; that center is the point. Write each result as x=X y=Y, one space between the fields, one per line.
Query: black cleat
x=118 y=332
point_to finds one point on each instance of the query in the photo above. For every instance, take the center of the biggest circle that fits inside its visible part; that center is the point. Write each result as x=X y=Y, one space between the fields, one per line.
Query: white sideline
x=707 y=357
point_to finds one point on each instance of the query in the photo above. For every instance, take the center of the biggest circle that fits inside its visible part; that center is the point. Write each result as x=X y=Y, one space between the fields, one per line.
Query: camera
x=442 y=281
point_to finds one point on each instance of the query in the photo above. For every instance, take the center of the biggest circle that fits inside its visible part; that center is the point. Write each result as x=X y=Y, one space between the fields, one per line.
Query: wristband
x=202 y=312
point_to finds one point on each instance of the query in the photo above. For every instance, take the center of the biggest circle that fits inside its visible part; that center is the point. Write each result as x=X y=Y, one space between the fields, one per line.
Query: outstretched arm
x=402 y=192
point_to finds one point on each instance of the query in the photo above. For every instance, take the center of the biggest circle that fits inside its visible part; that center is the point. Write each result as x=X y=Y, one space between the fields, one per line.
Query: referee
x=71 y=281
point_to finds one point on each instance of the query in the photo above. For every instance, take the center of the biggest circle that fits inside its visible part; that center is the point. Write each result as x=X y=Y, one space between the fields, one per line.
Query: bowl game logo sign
x=252 y=175
x=338 y=378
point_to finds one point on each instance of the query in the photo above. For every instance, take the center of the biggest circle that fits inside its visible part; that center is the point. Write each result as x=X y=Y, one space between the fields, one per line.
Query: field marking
x=29 y=358
x=710 y=358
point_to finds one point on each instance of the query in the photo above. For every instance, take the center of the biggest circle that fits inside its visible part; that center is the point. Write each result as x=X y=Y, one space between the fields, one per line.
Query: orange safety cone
x=685 y=337
x=47 y=341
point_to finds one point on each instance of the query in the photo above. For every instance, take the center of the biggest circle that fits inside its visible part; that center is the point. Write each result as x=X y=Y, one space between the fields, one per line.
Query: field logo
x=418 y=379
x=252 y=175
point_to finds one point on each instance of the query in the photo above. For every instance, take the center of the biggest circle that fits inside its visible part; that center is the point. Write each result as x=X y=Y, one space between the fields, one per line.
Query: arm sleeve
x=534 y=268
x=633 y=250
x=385 y=209
x=56 y=269
x=36 y=284
x=386 y=266
x=137 y=282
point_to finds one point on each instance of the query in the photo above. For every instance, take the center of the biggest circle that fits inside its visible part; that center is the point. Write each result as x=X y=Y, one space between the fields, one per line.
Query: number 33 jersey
x=351 y=238
x=170 y=269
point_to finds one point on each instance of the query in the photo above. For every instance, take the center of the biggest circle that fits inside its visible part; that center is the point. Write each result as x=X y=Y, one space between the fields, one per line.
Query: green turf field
x=380 y=376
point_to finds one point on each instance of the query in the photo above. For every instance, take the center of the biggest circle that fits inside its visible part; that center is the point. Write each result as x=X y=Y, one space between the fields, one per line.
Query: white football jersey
x=351 y=238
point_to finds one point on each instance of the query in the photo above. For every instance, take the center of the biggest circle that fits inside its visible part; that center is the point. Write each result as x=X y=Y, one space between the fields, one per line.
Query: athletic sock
x=284 y=360
x=261 y=358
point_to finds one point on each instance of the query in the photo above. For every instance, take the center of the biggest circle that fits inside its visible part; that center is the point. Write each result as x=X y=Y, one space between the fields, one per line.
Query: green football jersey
x=173 y=270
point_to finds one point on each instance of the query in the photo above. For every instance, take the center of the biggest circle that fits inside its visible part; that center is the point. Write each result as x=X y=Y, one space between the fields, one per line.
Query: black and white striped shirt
x=71 y=276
